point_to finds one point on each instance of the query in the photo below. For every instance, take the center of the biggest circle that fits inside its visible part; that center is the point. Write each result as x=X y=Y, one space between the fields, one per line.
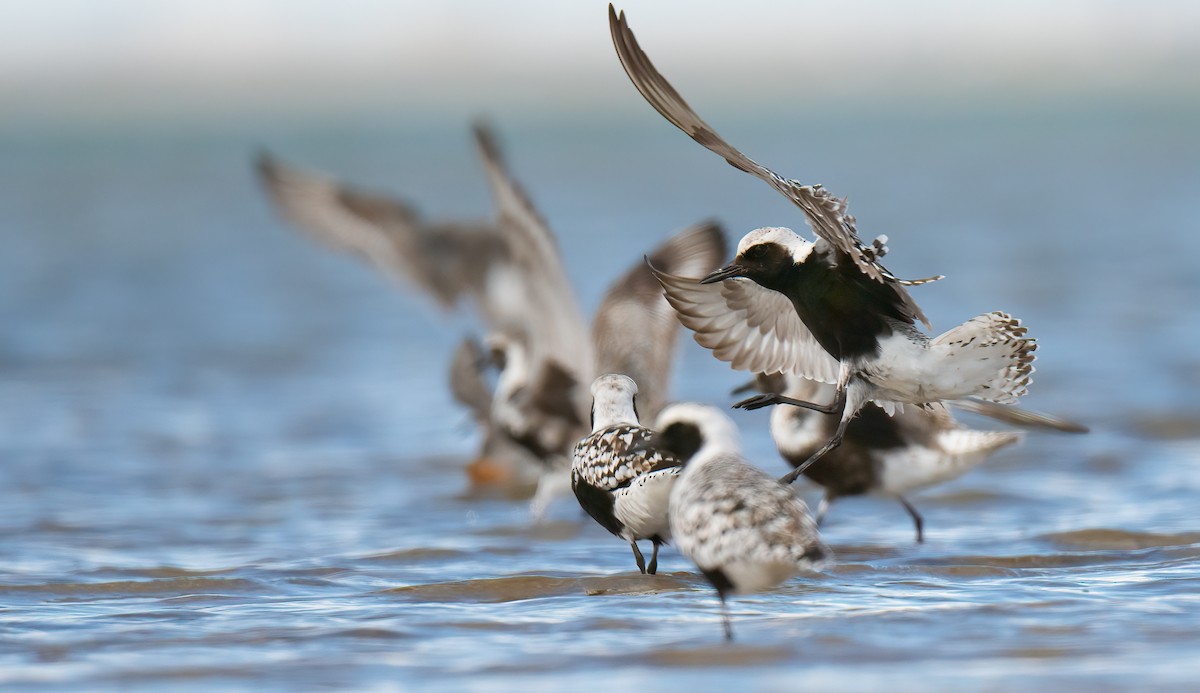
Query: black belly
x=598 y=504
x=846 y=311
x=852 y=468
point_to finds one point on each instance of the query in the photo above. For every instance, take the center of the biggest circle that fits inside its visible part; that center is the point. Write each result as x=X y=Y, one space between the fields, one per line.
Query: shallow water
x=229 y=458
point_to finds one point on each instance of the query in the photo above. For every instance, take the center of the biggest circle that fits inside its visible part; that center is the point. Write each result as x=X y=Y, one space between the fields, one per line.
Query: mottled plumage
x=889 y=456
x=795 y=294
x=744 y=530
x=620 y=480
x=511 y=270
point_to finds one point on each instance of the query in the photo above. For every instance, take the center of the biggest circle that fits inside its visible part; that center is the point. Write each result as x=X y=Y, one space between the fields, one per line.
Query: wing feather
x=558 y=329
x=447 y=261
x=635 y=328
x=825 y=213
x=752 y=328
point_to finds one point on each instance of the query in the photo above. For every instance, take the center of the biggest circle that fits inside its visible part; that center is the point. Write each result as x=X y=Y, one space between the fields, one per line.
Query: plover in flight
x=888 y=456
x=511 y=270
x=744 y=530
x=829 y=310
x=621 y=482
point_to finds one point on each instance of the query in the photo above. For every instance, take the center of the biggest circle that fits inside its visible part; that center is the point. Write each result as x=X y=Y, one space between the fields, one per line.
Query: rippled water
x=229 y=459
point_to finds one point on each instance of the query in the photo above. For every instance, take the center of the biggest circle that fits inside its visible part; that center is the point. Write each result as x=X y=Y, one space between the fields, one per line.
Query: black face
x=764 y=262
x=680 y=439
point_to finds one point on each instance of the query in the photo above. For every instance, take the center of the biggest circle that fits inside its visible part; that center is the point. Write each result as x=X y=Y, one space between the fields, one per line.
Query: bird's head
x=614 y=401
x=764 y=254
x=685 y=429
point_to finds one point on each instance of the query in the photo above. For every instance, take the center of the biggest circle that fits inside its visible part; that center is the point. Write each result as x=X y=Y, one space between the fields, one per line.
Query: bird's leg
x=822 y=508
x=770 y=398
x=653 y=567
x=836 y=440
x=852 y=394
x=725 y=618
x=917 y=519
x=637 y=556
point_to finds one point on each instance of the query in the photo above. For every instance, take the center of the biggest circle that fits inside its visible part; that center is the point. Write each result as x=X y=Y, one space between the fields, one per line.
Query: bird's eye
x=755 y=252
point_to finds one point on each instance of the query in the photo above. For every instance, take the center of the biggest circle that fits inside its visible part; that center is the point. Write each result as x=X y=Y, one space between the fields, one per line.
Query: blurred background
x=189 y=388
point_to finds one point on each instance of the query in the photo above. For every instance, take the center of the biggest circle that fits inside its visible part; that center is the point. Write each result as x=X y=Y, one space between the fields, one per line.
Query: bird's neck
x=605 y=414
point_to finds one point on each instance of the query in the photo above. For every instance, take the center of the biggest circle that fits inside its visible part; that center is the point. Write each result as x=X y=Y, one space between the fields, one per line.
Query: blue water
x=229 y=458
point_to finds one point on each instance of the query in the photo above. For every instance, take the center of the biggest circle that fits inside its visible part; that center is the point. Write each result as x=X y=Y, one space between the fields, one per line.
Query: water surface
x=229 y=458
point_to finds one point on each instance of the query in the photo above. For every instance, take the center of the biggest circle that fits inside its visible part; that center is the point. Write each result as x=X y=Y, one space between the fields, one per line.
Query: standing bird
x=745 y=531
x=622 y=484
x=511 y=270
x=828 y=311
x=889 y=456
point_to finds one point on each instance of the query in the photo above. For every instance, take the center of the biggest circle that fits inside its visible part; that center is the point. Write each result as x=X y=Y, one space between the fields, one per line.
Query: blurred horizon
x=140 y=59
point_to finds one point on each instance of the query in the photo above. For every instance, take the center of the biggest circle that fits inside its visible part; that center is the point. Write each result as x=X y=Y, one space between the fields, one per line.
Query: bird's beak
x=751 y=386
x=727 y=272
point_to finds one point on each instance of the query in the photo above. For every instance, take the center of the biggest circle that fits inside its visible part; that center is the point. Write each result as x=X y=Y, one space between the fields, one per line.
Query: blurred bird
x=889 y=456
x=622 y=484
x=511 y=270
x=744 y=530
x=828 y=311
x=501 y=462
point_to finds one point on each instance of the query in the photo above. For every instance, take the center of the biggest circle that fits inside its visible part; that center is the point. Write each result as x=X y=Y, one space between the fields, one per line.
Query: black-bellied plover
x=744 y=530
x=510 y=269
x=829 y=310
x=621 y=482
x=888 y=456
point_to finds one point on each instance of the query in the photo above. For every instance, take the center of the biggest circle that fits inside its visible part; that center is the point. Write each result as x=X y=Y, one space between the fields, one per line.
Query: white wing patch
x=752 y=328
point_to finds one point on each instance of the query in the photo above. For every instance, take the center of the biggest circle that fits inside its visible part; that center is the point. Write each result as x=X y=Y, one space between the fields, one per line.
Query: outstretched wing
x=752 y=328
x=825 y=213
x=556 y=327
x=448 y=260
x=635 y=328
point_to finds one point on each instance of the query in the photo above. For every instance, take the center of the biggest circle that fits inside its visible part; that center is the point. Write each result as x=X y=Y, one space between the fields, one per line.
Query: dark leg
x=725 y=618
x=653 y=567
x=760 y=401
x=917 y=520
x=637 y=556
x=835 y=441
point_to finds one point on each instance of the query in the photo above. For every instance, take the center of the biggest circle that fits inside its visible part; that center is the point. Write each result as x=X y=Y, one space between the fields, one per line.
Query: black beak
x=727 y=272
x=751 y=386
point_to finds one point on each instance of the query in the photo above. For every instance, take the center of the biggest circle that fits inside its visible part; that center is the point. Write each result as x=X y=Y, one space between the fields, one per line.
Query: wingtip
x=485 y=139
x=265 y=163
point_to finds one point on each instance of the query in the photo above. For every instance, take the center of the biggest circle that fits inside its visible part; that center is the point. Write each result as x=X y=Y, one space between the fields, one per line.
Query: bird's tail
x=988 y=357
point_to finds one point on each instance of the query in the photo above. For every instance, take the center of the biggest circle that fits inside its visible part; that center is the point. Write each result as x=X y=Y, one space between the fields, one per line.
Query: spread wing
x=447 y=260
x=635 y=328
x=555 y=325
x=752 y=328
x=825 y=213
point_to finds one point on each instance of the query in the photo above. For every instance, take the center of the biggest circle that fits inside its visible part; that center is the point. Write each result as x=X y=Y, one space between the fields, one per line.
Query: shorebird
x=744 y=530
x=501 y=463
x=511 y=270
x=620 y=482
x=888 y=456
x=828 y=311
